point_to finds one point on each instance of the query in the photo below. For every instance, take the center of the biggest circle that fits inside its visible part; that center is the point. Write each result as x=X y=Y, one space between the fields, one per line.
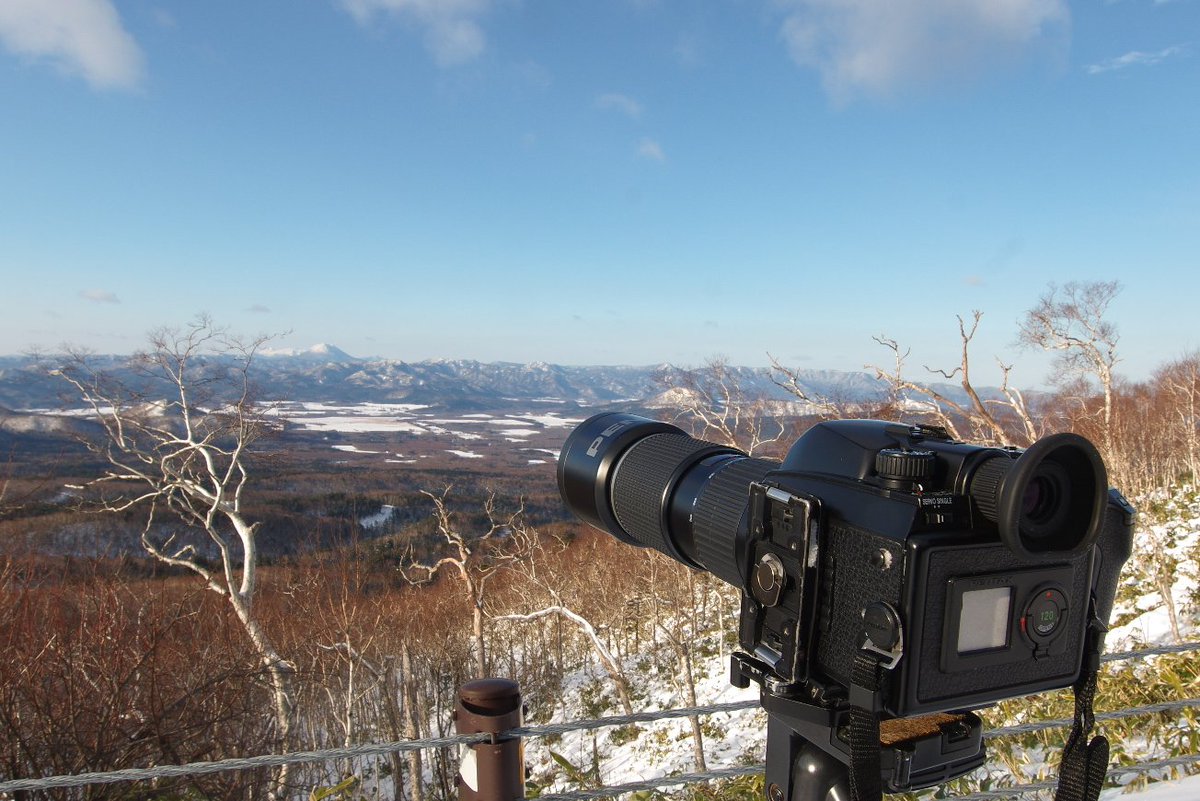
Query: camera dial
x=1043 y=615
x=902 y=469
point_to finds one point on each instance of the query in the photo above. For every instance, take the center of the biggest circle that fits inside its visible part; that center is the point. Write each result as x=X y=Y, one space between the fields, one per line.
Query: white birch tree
x=1069 y=320
x=475 y=558
x=177 y=439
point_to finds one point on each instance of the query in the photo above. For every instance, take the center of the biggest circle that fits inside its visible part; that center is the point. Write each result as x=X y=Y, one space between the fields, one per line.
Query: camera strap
x=866 y=783
x=1084 y=763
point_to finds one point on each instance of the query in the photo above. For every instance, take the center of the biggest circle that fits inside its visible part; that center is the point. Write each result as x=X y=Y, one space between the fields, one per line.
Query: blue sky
x=628 y=181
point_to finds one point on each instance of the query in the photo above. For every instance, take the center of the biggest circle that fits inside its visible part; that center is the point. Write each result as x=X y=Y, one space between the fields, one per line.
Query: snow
x=1187 y=789
x=352 y=449
x=358 y=425
x=466 y=454
x=322 y=350
x=1176 y=538
x=379 y=518
x=549 y=420
x=409 y=418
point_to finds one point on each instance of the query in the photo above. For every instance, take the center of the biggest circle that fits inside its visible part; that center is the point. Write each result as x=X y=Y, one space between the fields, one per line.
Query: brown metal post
x=493 y=770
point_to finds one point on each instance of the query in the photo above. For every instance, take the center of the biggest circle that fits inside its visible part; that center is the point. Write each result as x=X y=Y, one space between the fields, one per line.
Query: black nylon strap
x=1084 y=764
x=865 y=781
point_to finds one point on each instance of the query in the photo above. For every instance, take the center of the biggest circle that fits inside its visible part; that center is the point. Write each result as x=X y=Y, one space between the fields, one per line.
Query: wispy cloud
x=99 y=296
x=453 y=34
x=258 y=308
x=650 y=149
x=614 y=101
x=79 y=37
x=1135 y=58
x=874 y=48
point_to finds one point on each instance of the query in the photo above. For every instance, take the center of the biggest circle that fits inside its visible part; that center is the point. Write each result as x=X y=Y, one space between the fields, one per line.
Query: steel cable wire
x=378 y=749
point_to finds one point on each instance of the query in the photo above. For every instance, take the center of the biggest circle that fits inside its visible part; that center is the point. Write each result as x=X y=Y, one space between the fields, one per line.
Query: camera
x=971 y=574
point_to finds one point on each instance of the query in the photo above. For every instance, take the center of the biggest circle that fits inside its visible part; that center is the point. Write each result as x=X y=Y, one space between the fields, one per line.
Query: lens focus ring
x=641 y=481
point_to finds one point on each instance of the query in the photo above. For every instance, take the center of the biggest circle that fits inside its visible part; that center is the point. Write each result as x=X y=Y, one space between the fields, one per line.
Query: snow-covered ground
x=410 y=418
x=665 y=747
x=1178 y=790
x=1173 y=542
x=413 y=419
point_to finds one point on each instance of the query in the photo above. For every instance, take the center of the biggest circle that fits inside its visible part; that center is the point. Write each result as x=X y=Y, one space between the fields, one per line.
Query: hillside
x=327 y=374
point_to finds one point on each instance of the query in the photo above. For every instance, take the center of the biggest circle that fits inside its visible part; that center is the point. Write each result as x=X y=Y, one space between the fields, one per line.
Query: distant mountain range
x=327 y=374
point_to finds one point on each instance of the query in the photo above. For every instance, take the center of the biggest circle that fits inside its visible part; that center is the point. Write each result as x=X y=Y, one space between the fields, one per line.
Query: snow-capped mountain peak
x=322 y=352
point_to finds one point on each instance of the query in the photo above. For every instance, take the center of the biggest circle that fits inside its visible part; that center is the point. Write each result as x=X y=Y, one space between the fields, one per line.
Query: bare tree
x=714 y=402
x=585 y=627
x=1070 y=320
x=187 y=453
x=1004 y=422
x=474 y=558
x=676 y=609
x=1180 y=380
x=821 y=406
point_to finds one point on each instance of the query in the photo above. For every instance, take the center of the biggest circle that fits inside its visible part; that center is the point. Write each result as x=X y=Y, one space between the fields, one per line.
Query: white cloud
x=80 y=37
x=880 y=48
x=99 y=296
x=650 y=149
x=452 y=30
x=1134 y=58
x=613 y=101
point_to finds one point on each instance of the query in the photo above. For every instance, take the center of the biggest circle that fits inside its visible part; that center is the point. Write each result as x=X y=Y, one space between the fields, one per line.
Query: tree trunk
x=689 y=686
x=477 y=638
x=416 y=775
x=392 y=688
x=279 y=674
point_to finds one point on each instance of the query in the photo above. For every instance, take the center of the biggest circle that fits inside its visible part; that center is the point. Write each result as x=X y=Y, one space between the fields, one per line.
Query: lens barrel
x=1049 y=502
x=649 y=484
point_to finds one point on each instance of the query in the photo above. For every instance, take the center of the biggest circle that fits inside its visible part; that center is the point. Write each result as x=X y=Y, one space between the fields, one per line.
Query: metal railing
x=556 y=729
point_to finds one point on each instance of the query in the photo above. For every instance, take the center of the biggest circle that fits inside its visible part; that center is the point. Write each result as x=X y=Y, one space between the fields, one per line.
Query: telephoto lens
x=650 y=484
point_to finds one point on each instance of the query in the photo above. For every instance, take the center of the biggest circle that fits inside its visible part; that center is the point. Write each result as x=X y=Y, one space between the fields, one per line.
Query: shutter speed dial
x=896 y=465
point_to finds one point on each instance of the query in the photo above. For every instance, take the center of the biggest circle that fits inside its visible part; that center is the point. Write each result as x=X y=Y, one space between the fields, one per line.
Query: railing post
x=494 y=770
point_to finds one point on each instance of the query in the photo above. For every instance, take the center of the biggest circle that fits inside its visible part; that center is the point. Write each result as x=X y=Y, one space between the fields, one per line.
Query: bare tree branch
x=177 y=436
x=980 y=414
x=715 y=404
x=1070 y=320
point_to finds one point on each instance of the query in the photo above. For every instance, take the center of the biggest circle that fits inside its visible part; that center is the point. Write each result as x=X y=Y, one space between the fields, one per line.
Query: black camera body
x=974 y=573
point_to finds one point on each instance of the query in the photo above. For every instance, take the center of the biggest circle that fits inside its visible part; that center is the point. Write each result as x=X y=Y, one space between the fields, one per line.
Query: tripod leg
x=797 y=770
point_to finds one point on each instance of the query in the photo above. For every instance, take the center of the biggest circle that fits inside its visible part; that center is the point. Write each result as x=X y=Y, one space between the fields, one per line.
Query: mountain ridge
x=328 y=374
